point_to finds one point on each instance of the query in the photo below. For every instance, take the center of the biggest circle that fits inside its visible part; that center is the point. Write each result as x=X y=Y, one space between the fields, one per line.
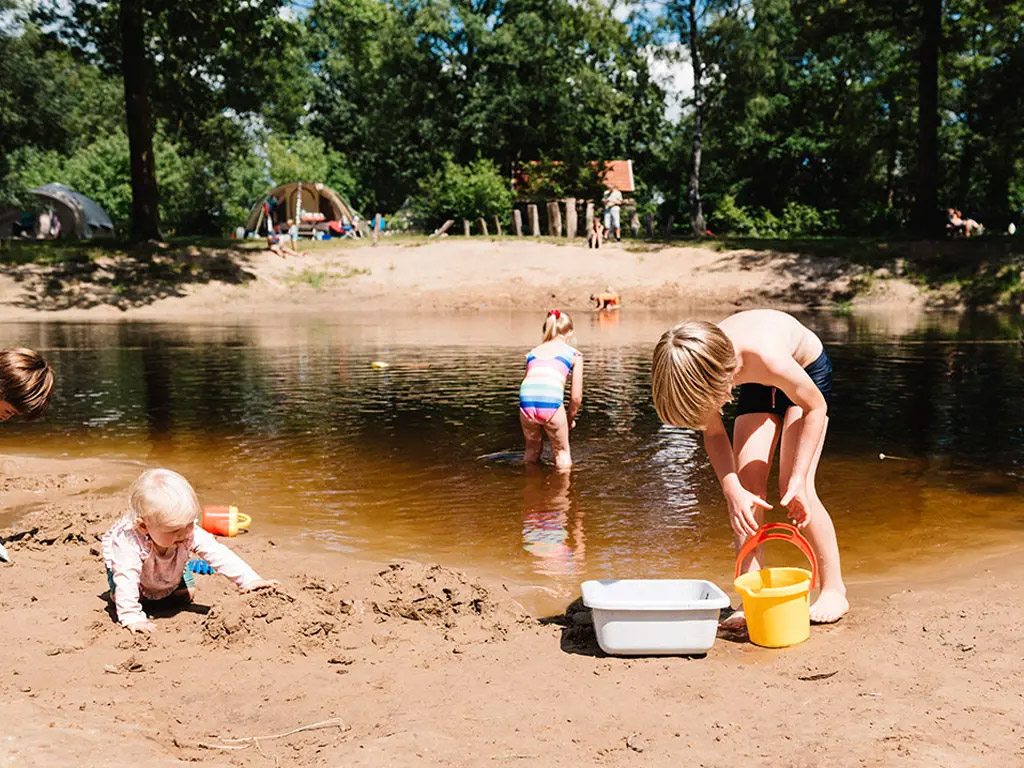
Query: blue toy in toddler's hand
x=200 y=566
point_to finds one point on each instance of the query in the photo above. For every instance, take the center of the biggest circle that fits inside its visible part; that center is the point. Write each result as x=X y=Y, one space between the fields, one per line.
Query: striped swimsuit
x=543 y=388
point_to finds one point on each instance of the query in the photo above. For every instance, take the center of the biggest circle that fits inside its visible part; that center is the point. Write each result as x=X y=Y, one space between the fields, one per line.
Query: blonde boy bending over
x=785 y=381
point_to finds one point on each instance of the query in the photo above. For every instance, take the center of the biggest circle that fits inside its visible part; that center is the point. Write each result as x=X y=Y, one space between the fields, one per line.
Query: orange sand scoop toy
x=223 y=520
x=776 y=600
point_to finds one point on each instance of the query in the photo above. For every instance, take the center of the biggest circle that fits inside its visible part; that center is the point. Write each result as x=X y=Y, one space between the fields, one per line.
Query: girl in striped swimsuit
x=541 y=409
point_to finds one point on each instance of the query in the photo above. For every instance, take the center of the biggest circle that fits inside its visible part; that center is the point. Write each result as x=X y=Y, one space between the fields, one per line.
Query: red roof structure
x=620 y=174
x=617 y=172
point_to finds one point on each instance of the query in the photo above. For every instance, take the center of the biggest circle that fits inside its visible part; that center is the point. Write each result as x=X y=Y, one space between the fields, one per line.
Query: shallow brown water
x=288 y=419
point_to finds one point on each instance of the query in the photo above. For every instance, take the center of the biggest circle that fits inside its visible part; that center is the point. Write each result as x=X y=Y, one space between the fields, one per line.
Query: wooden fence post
x=376 y=228
x=443 y=228
x=465 y=227
x=571 y=229
x=482 y=224
x=669 y=223
x=534 y=219
x=650 y=225
x=634 y=222
x=588 y=217
x=497 y=225
x=517 y=222
x=555 y=219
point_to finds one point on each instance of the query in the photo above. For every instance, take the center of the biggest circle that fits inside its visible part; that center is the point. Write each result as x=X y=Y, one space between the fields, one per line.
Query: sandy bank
x=424 y=665
x=435 y=275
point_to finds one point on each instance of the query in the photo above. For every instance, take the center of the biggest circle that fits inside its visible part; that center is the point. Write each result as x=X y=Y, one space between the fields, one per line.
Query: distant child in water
x=26 y=384
x=541 y=395
x=785 y=381
x=146 y=551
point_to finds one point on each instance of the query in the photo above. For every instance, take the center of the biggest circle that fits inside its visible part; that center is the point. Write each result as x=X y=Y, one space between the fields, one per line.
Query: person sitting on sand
x=26 y=384
x=970 y=225
x=785 y=381
x=541 y=394
x=275 y=244
x=607 y=299
x=597 y=233
x=147 y=550
x=954 y=224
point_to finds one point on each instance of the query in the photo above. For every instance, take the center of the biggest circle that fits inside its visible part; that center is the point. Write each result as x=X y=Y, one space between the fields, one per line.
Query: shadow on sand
x=579 y=638
x=56 y=277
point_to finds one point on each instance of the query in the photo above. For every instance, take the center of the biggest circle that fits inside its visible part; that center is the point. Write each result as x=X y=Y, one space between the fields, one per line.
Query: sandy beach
x=360 y=663
x=431 y=275
x=415 y=664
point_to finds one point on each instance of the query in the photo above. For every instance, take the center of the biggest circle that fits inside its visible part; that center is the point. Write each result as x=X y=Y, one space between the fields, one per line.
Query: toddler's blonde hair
x=692 y=372
x=557 y=323
x=163 y=499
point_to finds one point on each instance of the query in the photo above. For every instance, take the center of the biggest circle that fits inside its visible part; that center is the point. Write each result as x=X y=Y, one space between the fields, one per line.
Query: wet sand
x=414 y=664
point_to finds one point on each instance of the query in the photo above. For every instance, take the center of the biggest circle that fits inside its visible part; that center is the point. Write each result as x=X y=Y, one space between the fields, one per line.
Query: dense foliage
x=811 y=110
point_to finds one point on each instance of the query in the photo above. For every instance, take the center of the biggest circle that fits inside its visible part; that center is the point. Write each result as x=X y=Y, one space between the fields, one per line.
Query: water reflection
x=291 y=421
x=552 y=524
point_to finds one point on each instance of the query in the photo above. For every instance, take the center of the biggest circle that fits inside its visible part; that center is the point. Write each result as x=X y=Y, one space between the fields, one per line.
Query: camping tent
x=313 y=198
x=78 y=216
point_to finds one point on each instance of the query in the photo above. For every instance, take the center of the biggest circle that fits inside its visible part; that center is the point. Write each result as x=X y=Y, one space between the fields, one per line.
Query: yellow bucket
x=776 y=600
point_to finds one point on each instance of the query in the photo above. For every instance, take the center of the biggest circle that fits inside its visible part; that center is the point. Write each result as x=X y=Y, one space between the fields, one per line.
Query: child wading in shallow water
x=541 y=395
x=785 y=380
x=146 y=551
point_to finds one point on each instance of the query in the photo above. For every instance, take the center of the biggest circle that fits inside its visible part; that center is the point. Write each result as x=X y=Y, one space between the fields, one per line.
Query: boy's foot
x=735 y=623
x=829 y=607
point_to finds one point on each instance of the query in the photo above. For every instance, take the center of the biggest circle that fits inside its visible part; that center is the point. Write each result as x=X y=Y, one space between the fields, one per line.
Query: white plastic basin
x=641 y=617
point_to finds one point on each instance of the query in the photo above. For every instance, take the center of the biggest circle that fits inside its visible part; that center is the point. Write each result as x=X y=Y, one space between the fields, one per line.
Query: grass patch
x=319 y=279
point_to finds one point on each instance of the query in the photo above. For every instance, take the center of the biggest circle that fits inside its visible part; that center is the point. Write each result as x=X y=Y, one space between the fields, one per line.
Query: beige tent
x=305 y=197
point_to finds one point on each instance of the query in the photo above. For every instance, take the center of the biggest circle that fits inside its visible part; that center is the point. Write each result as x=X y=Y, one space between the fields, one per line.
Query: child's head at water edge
x=26 y=384
x=557 y=325
x=692 y=373
x=163 y=505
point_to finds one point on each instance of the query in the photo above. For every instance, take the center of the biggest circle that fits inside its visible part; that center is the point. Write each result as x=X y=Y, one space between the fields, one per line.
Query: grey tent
x=78 y=216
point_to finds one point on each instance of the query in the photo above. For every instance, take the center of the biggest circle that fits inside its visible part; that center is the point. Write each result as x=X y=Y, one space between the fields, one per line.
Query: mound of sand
x=443 y=598
x=67 y=522
x=303 y=621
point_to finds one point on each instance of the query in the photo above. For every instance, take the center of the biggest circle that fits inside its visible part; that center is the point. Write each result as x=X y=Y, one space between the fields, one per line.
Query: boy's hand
x=742 y=504
x=142 y=626
x=262 y=584
x=795 y=501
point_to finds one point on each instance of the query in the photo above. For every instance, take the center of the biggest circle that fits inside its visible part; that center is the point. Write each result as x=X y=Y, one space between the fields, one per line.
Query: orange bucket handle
x=782 y=532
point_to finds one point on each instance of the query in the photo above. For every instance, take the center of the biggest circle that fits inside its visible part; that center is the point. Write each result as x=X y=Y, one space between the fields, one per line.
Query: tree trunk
x=926 y=201
x=517 y=222
x=534 y=219
x=135 y=70
x=693 y=186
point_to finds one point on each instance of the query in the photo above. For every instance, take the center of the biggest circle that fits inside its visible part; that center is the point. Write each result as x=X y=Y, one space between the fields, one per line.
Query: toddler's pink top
x=141 y=571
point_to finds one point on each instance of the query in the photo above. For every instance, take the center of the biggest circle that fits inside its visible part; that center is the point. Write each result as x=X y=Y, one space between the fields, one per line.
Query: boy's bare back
x=769 y=345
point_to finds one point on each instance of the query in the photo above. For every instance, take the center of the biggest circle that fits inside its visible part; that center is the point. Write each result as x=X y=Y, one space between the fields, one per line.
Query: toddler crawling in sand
x=146 y=551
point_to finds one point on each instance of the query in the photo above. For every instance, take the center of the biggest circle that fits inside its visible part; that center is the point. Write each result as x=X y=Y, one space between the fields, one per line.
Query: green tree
x=475 y=190
x=214 y=76
x=49 y=102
